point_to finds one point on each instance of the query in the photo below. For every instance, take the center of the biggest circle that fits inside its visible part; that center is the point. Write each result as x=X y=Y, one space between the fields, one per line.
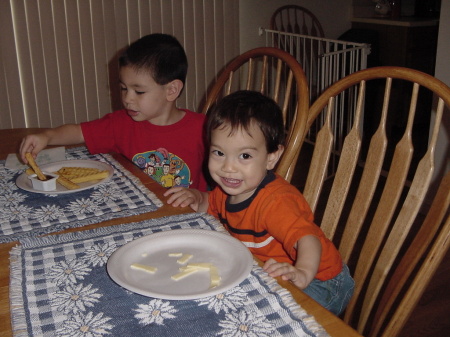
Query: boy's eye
x=140 y=92
x=123 y=88
x=218 y=153
x=245 y=156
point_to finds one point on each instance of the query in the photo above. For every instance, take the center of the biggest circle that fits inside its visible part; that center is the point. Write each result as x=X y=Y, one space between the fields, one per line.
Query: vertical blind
x=58 y=58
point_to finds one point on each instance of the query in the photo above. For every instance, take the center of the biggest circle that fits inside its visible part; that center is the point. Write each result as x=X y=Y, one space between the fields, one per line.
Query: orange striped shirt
x=272 y=221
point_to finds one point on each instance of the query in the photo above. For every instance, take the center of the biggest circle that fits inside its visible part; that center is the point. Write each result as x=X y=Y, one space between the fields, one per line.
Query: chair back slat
x=344 y=173
x=278 y=73
x=320 y=158
x=264 y=71
x=287 y=97
x=369 y=180
x=250 y=74
x=229 y=83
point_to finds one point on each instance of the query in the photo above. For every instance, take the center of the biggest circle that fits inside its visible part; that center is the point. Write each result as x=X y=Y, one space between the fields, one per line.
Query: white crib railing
x=324 y=61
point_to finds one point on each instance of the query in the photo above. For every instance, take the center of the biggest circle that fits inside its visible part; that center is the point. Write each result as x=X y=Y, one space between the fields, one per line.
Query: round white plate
x=24 y=183
x=232 y=259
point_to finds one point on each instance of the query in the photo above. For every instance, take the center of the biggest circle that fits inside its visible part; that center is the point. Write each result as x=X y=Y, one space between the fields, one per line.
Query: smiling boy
x=270 y=216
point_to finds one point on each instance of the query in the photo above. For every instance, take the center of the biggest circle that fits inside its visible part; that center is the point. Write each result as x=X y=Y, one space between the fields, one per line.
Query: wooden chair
x=379 y=219
x=300 y=21
x=277 y=74
x=297 y=20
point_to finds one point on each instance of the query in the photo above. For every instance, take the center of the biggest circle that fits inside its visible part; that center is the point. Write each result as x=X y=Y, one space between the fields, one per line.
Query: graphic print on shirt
x=166 y=168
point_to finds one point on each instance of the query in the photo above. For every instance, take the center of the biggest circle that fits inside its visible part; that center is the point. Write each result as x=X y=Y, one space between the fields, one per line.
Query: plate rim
x=191 y=296
x=61 y=163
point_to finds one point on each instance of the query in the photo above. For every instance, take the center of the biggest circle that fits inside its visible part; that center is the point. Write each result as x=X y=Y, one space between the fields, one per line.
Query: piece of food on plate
x=34 y=166
x=67 y=183
x=193 y=268
x=143 y=267
x=82 y=174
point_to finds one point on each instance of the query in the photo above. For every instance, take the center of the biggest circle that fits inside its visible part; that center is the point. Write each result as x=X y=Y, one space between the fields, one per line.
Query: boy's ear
x=173 y=90
x=272 y=158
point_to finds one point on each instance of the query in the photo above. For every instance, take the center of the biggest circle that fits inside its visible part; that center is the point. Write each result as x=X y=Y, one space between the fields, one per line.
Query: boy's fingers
x=173 y=190
x=268 y=263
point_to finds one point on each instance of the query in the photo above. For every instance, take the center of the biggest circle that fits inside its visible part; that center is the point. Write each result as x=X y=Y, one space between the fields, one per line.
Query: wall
x=333 y=15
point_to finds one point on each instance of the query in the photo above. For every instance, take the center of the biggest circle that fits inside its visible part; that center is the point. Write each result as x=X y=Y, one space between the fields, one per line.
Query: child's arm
x=309 y=251
x=182 y=197
x=67 y=134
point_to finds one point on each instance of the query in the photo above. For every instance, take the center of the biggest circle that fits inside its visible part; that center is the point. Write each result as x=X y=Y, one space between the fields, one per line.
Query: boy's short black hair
x=159 y=54
x=241 y=108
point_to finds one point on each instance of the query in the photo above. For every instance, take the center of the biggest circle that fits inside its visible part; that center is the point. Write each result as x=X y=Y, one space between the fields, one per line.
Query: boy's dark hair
x=159 y=54
x=242 y=107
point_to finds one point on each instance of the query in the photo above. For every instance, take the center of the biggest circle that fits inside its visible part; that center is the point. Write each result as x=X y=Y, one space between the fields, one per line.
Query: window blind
x=58 y=58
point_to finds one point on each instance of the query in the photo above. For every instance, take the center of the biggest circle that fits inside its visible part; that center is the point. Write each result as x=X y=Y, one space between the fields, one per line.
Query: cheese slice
x=143 y=267
x=214 y=276
x=185 y=258
x=200 y=266
x=175 y=254
x=195 y=267
x=183 y=274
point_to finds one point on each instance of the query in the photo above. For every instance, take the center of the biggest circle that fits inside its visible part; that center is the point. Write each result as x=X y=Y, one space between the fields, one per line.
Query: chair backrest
x=274 y=73
x=297 y=20
x=374 y=208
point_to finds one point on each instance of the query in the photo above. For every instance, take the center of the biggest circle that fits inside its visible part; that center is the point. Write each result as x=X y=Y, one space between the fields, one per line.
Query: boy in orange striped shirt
x=270 y=216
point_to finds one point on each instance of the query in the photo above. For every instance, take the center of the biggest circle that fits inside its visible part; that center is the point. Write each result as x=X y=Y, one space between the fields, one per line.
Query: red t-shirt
x=171 y=154
x=271 y=221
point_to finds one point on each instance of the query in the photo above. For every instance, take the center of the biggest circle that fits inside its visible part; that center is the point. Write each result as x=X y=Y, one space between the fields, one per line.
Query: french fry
x=29 y=171
x=67 y=183
x=34 y=166
x=82 y=174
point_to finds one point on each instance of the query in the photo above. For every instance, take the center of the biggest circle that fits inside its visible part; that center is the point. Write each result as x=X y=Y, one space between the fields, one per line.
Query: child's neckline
x=240 y=206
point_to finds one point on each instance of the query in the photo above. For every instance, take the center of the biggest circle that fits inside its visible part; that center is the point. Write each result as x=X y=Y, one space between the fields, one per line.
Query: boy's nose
x=228 y=165
x=127 y=97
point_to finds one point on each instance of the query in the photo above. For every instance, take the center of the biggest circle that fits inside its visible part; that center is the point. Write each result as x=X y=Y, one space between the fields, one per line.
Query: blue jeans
x=333 y=294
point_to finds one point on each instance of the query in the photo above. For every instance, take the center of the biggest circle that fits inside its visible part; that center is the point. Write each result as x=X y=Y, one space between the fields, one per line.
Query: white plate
x=233 y=260
x=24 y=183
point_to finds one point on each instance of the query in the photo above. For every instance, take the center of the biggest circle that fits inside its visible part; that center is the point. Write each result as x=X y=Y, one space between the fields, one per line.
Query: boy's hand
x=182 y=197
x=287 y=272
x=33 y=144
x=309 y=251
x=66 y=134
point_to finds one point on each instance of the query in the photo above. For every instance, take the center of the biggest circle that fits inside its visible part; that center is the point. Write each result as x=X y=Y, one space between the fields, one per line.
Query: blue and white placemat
x=60 y=287
x=25 y=213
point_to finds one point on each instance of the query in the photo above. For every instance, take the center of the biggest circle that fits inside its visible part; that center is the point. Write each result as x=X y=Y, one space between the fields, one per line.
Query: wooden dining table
x=9 y=143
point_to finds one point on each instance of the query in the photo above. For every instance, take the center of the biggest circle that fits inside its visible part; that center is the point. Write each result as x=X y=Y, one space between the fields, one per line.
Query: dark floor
x=431 y=317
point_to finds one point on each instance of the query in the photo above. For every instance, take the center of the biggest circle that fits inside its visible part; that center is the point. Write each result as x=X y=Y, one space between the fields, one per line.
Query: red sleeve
x=99 y=135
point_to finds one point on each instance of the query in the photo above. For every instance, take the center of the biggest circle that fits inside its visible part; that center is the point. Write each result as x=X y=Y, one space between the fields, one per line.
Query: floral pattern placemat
x=24 y=213
x=60 y=287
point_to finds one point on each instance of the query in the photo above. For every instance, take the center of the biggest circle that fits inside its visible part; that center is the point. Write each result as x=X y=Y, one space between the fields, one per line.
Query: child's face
x=143 y=97
x=239 y=162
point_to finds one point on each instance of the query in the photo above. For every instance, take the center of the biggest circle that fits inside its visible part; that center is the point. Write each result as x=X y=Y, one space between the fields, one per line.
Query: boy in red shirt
x=270 y=216
x=150 y=131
